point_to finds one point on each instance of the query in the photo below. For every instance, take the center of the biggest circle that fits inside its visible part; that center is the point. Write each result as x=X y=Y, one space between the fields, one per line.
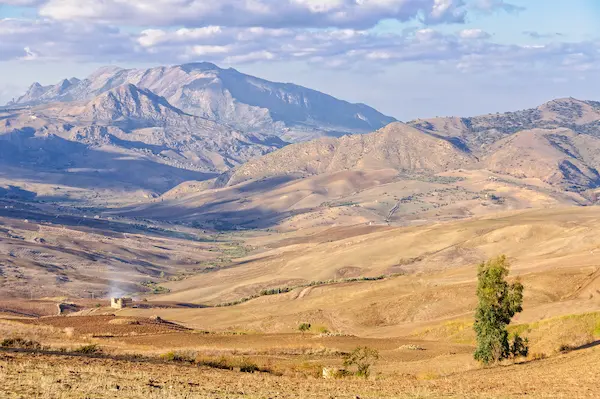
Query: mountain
x=396 y=146
x=436 y=169
x=225 y=96
x=558 y=143
x=129 y=103
x=560 y=157
x=480 y=131
x=126 y=139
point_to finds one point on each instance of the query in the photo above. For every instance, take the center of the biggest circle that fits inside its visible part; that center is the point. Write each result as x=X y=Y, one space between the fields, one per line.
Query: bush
x=519 y=347
x=362 y=358
x=323 y=330
x=246 y=366
x=91 y=349
x=565 y=348
x=173 y=356
x=221 y=363
x=304 y=327
x=20 y=343
x=498 y=302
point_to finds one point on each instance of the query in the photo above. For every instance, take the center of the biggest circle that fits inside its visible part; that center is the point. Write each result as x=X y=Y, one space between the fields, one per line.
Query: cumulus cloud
x=358 y=14
x=466 y=50
x=24 y=39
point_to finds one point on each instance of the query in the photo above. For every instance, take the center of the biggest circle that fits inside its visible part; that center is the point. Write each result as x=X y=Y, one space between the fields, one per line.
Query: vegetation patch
x=283 y=290
x=20 y=343
x=155 y=288
x=91 y=349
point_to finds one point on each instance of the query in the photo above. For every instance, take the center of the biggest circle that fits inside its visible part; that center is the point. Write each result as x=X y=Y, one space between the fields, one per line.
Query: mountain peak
x=64 y=84
x=225 y=96
x=200 y=66
x=564 y=100
x=128 y=103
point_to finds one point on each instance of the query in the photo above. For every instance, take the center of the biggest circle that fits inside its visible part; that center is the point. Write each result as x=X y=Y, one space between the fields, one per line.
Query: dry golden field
x=415 y=308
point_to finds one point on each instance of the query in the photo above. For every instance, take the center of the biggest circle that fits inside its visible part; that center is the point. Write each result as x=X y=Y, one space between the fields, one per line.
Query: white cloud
x=45 y=39
x=30 y=55
x=359 y=14
x=22 y=3
x=468 y=49
x=497 y=5
x=474 y=34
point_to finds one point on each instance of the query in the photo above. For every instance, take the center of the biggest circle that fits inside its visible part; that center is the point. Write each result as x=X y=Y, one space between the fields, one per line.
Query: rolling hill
x=403 y=173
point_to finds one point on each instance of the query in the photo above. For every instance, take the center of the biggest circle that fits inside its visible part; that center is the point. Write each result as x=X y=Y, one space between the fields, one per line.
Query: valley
x=235 y=211
x=416 y=311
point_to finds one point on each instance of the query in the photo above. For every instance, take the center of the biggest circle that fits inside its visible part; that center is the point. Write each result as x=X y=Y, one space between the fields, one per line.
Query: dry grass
x=565 y=376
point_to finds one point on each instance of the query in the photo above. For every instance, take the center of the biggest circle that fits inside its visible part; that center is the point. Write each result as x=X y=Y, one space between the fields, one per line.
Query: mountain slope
x=397 y=146
x=129 y=103
x=401 y=174
x=227 y=96
x=558 y=157
x=127 y=138
x=481 y=131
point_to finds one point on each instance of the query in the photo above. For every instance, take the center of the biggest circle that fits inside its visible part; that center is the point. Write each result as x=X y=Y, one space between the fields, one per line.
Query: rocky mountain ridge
x=558 y=143
x=226 y=96
x=128 y=135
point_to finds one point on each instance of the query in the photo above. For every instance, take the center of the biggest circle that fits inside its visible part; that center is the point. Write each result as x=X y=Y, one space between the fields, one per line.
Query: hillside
x=125 y=139
x=399 y=174
x=397 y=146
x=432 y=274
x=409 y=293
x=480 y=131
x=225 y=96
x=75 y=255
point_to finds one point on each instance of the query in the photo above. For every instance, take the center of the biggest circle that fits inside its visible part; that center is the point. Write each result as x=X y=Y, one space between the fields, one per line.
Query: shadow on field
x=587 y=346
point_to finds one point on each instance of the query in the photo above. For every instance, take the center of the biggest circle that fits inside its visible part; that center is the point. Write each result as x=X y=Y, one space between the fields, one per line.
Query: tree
x=499 y=301
x=304 y=327
x=363 y=358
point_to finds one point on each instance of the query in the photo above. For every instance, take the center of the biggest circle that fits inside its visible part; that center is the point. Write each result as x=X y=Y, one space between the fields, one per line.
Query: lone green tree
x=499 y=301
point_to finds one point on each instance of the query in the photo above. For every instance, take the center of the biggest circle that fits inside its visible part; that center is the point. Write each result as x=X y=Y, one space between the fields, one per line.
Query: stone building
x=120 y=303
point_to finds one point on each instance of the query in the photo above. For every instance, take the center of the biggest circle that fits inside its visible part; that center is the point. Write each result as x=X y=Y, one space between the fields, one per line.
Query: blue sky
x=407 y=58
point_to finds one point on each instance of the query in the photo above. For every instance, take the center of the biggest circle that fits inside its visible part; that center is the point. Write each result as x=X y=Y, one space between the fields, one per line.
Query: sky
x=407 y=58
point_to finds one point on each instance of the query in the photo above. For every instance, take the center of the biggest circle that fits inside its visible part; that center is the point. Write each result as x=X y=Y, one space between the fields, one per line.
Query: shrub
x=21 y=343
x=91 y=349
x=334 y=373
x=565 y=348
x=498 y=302
x=519 y=347
x=246 y=366
x=221 y=363
x=173 y=356
x=362 y=358
x=304 y=327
